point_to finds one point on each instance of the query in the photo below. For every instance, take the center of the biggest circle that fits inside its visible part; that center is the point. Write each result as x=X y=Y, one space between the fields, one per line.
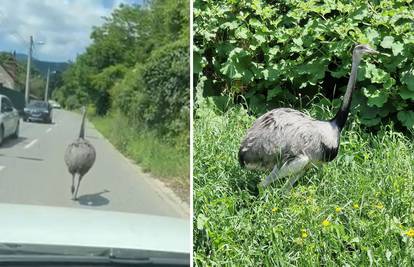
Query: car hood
x=54 y=229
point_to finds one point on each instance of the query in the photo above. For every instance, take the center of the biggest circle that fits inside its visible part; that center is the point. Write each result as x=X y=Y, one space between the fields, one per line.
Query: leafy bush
x=101 y=82
x=72 y=102
x=166 y=100
x=284 y=51
x=157 y=95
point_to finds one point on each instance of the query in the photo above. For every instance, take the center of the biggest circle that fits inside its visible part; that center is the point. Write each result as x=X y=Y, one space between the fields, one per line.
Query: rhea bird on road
x=79 y=157
x=288 y=141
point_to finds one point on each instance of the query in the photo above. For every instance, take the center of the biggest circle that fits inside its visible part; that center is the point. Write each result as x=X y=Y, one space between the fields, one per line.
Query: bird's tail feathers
x=241 y=158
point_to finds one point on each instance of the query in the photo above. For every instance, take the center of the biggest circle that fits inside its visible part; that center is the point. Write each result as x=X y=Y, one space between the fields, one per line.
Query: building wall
x=6 y=79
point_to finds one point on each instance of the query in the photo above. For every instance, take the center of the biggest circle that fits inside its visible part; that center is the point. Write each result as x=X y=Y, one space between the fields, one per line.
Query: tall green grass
x=165 y=158
x=355 y=211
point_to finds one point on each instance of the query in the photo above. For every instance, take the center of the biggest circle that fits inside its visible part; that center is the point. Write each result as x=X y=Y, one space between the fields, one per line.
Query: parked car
x=9 y=119
x=38 y=111
x=54 y=104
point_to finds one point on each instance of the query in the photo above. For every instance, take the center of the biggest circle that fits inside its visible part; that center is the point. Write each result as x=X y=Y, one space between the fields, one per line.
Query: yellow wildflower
x=274 y=209
x=410 y=232
x=356 y=206
x=326 y=223
x=379 y=206
x=304 y=234
x=338 y=209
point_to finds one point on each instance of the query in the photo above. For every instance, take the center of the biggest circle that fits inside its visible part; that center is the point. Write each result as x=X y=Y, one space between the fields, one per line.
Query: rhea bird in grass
x=288 y=141
x=79 y=157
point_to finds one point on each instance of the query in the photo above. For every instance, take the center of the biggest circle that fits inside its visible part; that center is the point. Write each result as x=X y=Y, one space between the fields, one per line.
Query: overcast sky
x=64 y=26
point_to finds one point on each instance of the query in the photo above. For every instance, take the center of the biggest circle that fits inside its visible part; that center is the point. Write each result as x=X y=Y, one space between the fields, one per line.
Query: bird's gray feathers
x=285 y=133
x=80 y=156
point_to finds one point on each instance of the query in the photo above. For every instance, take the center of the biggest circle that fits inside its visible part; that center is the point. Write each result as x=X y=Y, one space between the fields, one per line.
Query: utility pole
x=29 y=59
x=47 y=84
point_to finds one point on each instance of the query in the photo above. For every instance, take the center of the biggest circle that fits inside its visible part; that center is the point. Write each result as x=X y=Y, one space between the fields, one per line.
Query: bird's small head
x=363 y=49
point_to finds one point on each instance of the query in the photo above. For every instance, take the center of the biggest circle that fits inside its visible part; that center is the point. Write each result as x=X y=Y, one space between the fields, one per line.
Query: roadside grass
x=354 y=211
x=164 y=159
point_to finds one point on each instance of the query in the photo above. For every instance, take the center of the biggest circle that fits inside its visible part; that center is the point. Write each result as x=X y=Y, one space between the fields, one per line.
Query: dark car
x=38 y=111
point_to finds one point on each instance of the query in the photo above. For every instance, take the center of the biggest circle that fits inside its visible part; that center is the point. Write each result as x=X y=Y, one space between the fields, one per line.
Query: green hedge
x=285 y=51
x=156 y=95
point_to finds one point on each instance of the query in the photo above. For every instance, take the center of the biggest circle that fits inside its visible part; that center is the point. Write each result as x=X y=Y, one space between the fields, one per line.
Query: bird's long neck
x=82 y=128
x=342 y=114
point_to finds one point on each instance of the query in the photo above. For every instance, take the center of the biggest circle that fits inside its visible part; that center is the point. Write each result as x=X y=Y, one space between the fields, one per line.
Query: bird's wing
x=80 y=156
x=276 y=136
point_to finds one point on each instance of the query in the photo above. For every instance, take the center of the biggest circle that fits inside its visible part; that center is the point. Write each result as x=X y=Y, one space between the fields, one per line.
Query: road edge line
x=166 y=193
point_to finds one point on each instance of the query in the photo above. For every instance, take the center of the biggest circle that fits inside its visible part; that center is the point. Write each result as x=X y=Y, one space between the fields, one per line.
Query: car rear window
x=37 y=104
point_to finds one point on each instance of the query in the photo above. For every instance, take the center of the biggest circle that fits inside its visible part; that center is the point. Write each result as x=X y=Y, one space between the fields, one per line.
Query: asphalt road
x=32 y=171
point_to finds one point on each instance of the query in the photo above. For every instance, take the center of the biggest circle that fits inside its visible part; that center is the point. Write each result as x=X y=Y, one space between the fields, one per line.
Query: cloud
x=63 y=26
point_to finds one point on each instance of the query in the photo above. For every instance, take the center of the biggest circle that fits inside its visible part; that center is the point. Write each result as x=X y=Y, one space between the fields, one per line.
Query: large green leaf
x=375 y=97
x=406 y=118
x=198 y=63
x=406 y=94
x=255 y=23
x=273 y=92
x=375 y=74
x=237 y=65
x=316 y=69
x=231 y=25
x=242 y=33
x=387 y=42
x=397 y=48
x=361 y=13
x=372 y=35
x=370 y=121
x=256 y=103
x=407 y=78
x=260 y=38
x=271 y=73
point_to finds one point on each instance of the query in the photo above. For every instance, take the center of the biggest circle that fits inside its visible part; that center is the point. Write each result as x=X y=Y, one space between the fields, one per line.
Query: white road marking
x=30 y=144
x=2 y=168
x=48 y=130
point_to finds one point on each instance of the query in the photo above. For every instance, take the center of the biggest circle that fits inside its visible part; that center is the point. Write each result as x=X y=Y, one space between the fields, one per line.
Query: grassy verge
x=164 y=160
x=354 y=211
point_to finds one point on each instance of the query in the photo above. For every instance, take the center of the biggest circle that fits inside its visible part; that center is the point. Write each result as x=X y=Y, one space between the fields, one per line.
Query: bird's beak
x=375 y=52
x=372 y=51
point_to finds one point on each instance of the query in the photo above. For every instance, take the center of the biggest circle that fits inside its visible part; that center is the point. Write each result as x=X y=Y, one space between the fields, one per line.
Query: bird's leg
x=72 y=188
x=294 y=169
x=271 y=177
x=77 y=188
x=291 y=181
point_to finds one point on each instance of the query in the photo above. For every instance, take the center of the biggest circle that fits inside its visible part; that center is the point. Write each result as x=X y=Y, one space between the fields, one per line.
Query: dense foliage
x=138 y=64
x=161 y=96
x=354 y=211
x=272 y=52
